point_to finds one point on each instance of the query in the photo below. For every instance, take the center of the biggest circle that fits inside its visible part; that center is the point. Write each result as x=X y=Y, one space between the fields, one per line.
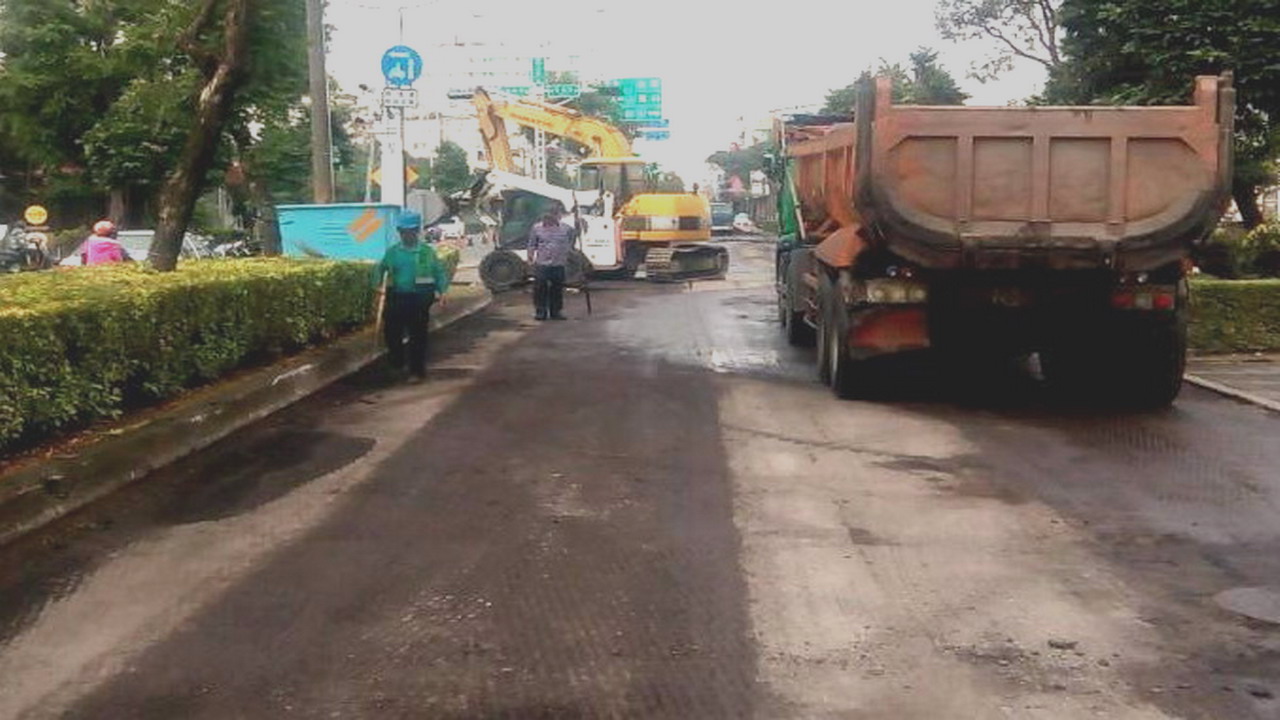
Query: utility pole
x=321 y=138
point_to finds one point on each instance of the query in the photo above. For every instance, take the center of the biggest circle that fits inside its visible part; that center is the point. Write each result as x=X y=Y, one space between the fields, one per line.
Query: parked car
x=451 y=227
x=137 y=243
x=721 y=218
x=742 y=223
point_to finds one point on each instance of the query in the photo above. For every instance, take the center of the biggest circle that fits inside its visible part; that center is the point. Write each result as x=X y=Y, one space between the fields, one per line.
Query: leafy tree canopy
x=924 y=83
x=449 y=169
x=664 y=180
x=1148 y=52
x=740 y=162
x=98 y=95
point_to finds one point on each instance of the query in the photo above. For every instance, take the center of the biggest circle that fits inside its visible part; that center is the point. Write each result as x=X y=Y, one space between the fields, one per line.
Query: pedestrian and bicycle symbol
x=401 y=66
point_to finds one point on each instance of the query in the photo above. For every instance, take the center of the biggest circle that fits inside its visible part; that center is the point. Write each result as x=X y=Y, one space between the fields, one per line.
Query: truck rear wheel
x=844 y=375
x=1137 y=365
x=825 y=295
x=1155 y=360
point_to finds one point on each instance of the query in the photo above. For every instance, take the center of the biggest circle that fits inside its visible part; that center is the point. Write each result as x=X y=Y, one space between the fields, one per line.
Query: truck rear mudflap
x=880 y=330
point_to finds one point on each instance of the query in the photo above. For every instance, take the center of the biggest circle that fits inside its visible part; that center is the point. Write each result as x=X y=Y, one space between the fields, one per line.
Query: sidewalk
x=1253 y=378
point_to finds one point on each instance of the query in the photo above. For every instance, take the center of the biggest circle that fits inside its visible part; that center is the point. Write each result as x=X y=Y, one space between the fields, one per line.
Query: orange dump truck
x=1063 y=231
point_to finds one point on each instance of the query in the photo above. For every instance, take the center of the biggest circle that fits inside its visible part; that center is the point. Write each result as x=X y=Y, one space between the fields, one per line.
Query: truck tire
x=1156 y=358
x=798 y=332
x=1137 y=366
x=826 y=293
x=502 y=270
x=844 y=373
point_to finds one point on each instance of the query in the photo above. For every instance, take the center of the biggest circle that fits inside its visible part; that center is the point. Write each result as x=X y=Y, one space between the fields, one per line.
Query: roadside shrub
x=1233 y=252
x=1235 y=315
x=80 y=344
x=1261 y=250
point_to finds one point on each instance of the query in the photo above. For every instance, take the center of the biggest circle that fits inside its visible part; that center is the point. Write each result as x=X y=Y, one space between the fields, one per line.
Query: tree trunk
x=1246 y=197
x=265 y=227
x=223 y=74
x=268 y=230
x=117 y=207
x=321 y=133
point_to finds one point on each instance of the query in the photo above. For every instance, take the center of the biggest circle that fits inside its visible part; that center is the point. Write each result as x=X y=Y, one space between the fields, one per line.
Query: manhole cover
x=1259 y=603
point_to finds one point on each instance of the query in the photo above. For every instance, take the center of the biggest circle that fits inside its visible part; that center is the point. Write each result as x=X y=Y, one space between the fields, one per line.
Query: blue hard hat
x=409 y=220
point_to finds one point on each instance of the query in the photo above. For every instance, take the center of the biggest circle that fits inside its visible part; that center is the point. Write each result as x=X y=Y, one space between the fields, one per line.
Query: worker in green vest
x=415 y=278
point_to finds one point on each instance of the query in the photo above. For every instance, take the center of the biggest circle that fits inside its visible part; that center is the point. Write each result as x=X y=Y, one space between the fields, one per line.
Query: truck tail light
x=894 y=292
x=1144 y=298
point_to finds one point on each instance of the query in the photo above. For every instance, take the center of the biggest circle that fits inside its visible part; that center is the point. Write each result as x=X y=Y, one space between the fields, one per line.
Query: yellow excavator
x=628 y=224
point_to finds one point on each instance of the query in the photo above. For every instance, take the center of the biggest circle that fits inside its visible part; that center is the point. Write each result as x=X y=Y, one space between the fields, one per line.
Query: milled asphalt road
x=655 y=512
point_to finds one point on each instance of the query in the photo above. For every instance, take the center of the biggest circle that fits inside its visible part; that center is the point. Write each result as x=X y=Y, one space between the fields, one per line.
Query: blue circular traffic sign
x=401 y=66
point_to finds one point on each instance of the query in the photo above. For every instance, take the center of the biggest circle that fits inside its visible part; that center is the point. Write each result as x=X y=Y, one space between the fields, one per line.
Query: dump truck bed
x=1129 y=188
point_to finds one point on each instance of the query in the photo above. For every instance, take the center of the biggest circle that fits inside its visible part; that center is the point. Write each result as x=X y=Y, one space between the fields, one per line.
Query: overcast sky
x=718 y=60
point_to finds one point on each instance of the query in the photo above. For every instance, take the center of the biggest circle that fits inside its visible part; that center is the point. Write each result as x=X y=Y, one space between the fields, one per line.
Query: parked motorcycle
x=23 y=250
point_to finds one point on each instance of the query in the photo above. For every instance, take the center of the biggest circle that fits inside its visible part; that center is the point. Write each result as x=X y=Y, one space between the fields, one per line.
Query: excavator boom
x=602 y=139
x=493 y=132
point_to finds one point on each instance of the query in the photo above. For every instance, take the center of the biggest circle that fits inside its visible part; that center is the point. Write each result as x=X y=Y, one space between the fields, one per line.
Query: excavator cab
x=624 y=177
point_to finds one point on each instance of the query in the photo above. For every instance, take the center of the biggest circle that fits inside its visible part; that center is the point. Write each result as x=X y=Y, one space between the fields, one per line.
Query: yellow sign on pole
x=35 y=215
x=410 y=176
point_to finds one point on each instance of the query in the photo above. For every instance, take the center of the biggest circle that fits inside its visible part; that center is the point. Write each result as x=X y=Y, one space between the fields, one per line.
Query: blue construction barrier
x=342 y=231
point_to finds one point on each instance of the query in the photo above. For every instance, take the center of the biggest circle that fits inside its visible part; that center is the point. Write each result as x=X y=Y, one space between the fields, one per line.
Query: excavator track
x=680 y=263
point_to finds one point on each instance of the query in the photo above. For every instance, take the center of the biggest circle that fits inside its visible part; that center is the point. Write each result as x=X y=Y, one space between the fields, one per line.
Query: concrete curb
x=36 y=493
x=1231 y=392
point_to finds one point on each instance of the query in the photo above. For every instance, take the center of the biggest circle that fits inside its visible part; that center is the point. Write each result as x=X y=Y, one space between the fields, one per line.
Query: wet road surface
x=655 y=512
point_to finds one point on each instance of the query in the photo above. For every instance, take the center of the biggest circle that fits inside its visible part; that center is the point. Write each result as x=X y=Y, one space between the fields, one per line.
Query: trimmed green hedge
x=80 y=344
x=1235 y=315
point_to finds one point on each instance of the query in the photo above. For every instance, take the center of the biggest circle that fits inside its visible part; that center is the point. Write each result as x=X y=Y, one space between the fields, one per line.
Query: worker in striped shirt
x=550 y=243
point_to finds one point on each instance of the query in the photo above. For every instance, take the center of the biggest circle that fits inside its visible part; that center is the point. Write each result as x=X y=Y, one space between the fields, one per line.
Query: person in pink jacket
x=102 y=248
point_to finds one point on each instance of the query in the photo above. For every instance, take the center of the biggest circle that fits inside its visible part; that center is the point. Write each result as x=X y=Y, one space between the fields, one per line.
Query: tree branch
x=1013 y=47
x=189 y=40
x=1047 y=12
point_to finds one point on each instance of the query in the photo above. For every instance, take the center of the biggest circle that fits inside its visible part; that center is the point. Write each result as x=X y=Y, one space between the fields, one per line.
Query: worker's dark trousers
x=548 y=290
x=407 y=314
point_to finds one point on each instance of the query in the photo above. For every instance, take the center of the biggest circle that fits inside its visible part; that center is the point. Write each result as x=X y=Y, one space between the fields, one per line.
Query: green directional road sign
x=539 y=73
x=640 y=99
x=554 y=91
x=563 y=90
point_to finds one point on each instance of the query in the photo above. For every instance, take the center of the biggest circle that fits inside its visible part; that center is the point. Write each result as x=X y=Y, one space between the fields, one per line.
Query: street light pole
x=321 y=138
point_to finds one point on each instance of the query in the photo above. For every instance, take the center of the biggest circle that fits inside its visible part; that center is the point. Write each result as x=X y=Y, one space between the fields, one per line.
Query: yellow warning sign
x=35 y=215
x=410 y=176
